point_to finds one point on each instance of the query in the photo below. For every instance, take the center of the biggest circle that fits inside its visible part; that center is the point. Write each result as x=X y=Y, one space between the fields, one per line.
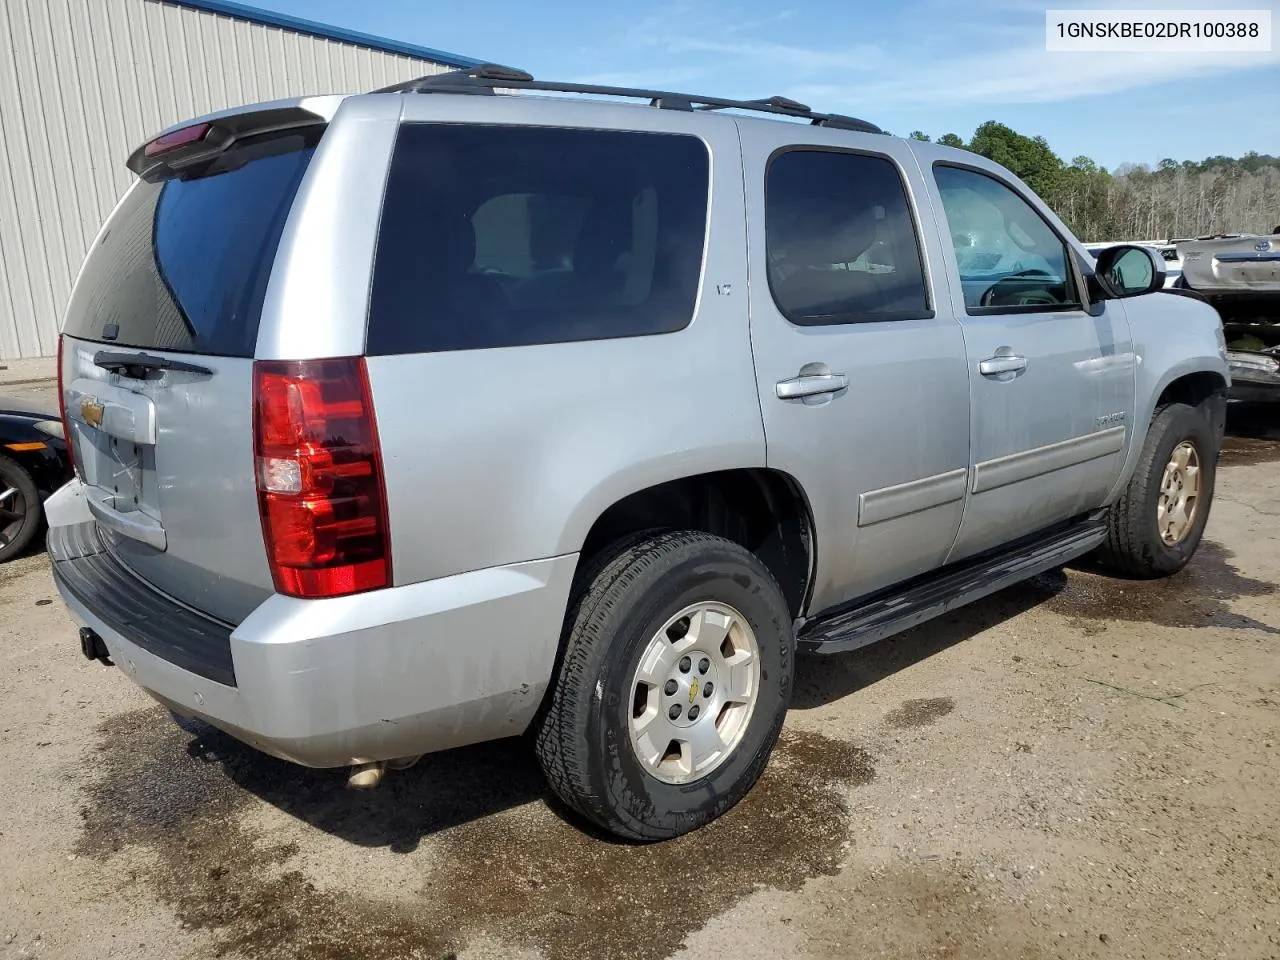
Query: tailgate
x=168 y=467
x=1244 y=264
x=157 y=369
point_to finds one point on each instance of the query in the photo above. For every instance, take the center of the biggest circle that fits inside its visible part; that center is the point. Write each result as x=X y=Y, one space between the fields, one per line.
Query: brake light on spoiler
x=320 y=481
x=170 y=153
x=178 y=138
x=174 y=151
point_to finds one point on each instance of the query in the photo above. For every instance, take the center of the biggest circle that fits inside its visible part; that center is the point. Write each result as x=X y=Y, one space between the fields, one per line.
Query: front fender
x=1174 y=338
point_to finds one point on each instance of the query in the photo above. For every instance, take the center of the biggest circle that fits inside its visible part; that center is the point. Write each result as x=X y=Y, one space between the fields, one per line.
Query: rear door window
x=183 y=264
x=496 y=236
x=841 y=240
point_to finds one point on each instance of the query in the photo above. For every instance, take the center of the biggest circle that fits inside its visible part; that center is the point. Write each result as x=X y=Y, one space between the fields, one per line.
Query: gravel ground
x=1076 y=767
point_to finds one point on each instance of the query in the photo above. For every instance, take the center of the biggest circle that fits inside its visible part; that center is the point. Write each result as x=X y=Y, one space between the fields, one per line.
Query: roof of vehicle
x=312 y=28
x=492 y=79
x=489 y=79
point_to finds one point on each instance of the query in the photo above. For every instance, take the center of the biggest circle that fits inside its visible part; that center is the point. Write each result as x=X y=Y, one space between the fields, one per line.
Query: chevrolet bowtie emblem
x=91 y=411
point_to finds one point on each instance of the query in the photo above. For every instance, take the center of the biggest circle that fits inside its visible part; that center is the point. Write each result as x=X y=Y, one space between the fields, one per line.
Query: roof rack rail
x=488 y=77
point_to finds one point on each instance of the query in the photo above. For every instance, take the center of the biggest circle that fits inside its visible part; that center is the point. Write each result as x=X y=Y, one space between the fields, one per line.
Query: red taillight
x=62 y=409
x=319 y=473
x=176 y=139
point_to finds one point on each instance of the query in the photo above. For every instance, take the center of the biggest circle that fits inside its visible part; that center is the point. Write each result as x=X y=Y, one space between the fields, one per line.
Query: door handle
x=1004 y=367
x=811 y=385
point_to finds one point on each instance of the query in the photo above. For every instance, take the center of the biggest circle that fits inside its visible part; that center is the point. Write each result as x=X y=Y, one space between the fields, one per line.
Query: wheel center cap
x=690 y=689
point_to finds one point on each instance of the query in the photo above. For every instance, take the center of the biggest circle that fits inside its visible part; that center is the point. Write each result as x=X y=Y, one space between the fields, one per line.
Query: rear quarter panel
x=504 y=455
x=317 y=298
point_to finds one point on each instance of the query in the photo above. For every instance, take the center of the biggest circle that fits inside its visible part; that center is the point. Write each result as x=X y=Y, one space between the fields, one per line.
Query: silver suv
x=455 y=411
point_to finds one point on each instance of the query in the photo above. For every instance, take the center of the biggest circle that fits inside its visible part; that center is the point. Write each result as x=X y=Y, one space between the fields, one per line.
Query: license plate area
x=114 y=433
x=124 y=472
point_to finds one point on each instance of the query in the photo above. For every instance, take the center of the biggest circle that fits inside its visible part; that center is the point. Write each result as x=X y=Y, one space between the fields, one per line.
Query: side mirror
x=1128 y=271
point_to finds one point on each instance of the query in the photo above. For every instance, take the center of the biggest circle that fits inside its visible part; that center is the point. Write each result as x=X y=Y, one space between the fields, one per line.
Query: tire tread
x=564 y=753
x=1129 y=549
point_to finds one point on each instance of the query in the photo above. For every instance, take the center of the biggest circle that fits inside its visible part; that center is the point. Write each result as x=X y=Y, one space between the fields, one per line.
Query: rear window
x=496 y=236
x=184 y=262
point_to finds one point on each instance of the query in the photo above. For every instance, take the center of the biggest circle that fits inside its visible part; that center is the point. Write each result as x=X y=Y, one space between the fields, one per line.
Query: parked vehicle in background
x=1238 y=273
x=1255 y=374
x=1239 y=276
x=429 y=416
x=33 y=463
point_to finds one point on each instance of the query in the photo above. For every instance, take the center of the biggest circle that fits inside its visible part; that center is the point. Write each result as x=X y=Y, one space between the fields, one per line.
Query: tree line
x=1137 y=202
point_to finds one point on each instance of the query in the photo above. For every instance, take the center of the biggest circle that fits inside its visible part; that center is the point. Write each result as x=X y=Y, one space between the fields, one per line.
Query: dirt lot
x=1077 y=767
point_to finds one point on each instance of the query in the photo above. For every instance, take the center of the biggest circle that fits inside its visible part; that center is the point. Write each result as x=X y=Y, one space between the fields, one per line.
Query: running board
x=921 y=601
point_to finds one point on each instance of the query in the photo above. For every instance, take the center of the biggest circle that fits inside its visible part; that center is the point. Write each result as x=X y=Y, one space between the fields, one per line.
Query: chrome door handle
x=995 y=366
x=812 y=385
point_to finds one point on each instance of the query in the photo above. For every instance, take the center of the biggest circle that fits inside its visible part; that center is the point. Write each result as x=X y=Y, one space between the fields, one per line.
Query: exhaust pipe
x=366 y=776
x=93 y=647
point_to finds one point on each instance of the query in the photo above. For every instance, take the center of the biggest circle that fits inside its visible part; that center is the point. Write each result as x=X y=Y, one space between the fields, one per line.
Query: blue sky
x=935 y=65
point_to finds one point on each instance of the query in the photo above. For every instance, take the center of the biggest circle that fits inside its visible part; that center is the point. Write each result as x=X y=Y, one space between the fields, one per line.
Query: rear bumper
x=84 y=570
x=325 y=683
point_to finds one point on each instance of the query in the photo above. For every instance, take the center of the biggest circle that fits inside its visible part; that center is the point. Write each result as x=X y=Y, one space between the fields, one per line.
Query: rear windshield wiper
x=129 y=363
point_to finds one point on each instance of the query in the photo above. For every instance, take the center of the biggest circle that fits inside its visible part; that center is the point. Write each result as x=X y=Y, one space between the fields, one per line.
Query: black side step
x=902 y=609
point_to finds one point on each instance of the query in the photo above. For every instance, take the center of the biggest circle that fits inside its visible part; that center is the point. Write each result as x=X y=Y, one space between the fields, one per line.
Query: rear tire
x=665 y=632
x=20 y=513
x=1155 y=526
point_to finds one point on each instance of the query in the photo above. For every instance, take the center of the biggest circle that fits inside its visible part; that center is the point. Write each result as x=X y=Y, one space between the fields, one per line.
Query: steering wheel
x=1015 y=294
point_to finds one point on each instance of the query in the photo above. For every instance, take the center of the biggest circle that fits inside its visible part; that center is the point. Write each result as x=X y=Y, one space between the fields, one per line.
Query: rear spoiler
x=194 y=141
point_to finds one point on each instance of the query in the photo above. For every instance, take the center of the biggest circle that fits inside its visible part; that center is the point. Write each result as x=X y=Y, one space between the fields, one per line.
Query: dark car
x=33 y=463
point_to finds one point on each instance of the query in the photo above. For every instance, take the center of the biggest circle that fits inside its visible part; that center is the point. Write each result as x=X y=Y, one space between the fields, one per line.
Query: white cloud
x=917 y=54
x=782 y=58
x=652 y=79
x=1031 y=75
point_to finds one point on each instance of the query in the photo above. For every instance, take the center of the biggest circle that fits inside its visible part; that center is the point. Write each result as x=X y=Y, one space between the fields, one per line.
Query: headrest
x=825 y=236
x=604 y=236
x=450 y=245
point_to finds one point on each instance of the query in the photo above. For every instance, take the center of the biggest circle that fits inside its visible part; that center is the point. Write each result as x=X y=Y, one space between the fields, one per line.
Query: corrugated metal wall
x=84 y=82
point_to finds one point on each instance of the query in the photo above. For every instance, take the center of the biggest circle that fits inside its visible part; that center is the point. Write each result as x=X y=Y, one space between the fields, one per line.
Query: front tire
x=20 y=514
x=676 y=676
x=1156 y=525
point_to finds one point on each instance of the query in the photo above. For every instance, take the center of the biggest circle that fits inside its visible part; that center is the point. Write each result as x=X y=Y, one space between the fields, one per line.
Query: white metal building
x=84 y=82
